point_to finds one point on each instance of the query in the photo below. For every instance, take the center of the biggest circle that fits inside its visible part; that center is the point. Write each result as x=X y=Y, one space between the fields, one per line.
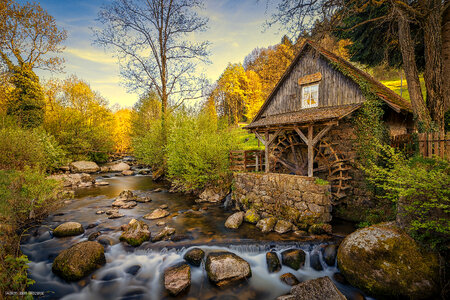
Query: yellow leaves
x=122 y=130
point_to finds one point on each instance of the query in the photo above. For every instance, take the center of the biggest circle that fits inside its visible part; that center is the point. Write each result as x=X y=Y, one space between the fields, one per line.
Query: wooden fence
x=247 y=160
x=435 y=144
x=430 y=144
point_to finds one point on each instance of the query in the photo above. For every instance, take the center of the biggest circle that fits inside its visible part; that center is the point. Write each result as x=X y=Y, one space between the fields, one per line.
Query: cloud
x=92 y=55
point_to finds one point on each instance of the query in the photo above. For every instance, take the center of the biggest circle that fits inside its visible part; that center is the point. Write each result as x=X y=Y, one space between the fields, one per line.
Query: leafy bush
x=421 y=187
x=21 y=147
x=25 y=194
x=149 y=147
x=197 y=151
x=13 y=275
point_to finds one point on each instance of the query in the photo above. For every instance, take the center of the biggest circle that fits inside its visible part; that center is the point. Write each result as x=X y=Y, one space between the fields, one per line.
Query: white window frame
x=307 y=93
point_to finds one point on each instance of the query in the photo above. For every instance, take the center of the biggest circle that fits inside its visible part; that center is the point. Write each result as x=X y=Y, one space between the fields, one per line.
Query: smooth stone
x=314 y=261
x=273 y=262
x=115 y=215
x=329 y=254
x=235 y=220
x=164 y=233
x=157 y=214
x=92 y=225
x=133 y=270
x=164 y=206
x=79 y=260
x=68 y=229
x=283 y=226
x=127 y=173
x=105 y=241
x=101 y=183
x=266 y=224
x=94 y=235
x=289 y=279
x=160 y=223
x=100 y=212
x=119 y=167
x=177 y=279
x=293 y=258
x=224 y=268
x=194 y=256
x=84 y=167
x=317 y=289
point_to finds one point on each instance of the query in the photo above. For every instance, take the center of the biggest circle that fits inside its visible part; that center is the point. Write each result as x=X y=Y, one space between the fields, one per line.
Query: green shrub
x=25 y=194
x=198 y=151
x=148 y=147
x=35 y=148
x=13 y=275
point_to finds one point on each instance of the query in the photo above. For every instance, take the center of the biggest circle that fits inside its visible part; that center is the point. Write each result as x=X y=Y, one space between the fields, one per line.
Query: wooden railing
x=435 y=144
x=430 y=144
x=247 y=160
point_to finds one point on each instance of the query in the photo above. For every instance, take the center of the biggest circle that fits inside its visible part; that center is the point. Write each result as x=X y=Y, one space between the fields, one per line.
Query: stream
x=136 y=273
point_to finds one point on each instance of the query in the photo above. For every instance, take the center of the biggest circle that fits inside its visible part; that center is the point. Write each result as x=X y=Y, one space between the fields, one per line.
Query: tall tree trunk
x=433 y=76
x=446 y=55
x=411 y=72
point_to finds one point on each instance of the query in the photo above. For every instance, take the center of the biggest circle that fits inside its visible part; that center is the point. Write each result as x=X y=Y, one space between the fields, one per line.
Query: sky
x=236 y=27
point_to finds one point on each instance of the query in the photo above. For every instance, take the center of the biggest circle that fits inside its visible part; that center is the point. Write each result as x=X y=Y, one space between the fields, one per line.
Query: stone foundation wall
x=298 y=199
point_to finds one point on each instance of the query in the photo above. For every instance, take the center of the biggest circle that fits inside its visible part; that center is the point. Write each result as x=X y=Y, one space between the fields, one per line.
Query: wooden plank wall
x=334 y=88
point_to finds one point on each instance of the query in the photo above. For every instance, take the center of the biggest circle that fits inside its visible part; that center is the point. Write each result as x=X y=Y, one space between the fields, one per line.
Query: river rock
x=124 y=204
x=235 y=220
x=127 y=195
x=164 y=206
x=212 y=195
x=225 y=267
x=119 y=167
x=101 y=183
x=68 y=229
x=273 y=262
x=157 y=214
x=73 y=180
x=293 y=258
x=114 y=214
x=194 y=256
x=133 y=270
x=135 y=233
x=314 y=261
x=383 y=260
x=283 y=226
x=79 y=260
x=317 y=289
x=320 y=229
x=289 y=279
x=127 y=172
x=251 y=216
x=267 y=224
x=177 y=279
x=300 y=233
x=94 y=236
x=143 y=199
x=84 y=167
x=329 y=254
x=164 y=233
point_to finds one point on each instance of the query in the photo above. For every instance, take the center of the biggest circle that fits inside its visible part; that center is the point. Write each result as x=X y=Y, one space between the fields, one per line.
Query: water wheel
x=289 y=155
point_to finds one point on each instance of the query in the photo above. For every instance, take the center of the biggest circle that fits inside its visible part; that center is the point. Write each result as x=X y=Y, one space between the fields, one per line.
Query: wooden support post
x=257 y=161
x=310 y=151
x=266 y=152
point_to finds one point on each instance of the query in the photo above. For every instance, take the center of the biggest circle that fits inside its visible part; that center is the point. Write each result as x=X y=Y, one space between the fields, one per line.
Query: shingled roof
x=360 y=77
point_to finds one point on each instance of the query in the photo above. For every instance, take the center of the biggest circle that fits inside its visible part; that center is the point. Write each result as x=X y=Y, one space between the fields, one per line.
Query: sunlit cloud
x=92 y=55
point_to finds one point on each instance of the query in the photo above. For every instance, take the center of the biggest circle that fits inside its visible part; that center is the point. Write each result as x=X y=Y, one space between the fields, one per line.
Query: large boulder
x=157 y=214
x=79 y=260
x=317 y=289
x=119 y=167
x=235 y=220
x=68 y=229
x=84 y=167
x=267 y=224
x=225 y=267
x=194 y=256
x=383 y=260
x=251 y=216
x=135 y=233
x=293 y=258
x=177 y=279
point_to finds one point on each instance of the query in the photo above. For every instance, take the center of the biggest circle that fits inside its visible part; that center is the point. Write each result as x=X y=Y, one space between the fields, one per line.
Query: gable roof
x=347 y=69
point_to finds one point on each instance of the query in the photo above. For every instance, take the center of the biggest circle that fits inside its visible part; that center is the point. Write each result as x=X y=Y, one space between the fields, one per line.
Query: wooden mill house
x=306 y=123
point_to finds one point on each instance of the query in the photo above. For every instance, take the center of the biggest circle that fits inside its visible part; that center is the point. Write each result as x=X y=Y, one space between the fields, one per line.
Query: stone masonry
x=298 y=199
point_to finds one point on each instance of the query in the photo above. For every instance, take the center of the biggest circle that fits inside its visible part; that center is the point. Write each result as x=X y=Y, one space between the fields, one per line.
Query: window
x=310 y=96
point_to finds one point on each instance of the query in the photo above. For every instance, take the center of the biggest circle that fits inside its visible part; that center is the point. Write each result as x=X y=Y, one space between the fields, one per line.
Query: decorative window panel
x=310 y=96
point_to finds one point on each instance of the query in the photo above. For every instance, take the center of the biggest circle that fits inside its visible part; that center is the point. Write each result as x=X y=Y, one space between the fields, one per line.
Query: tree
x=152 y=42
x=426 y=15
x=28 y=36
x=122 y=130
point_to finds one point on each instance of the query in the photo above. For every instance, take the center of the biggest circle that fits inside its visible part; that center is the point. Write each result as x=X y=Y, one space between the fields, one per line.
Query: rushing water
x=136 y=273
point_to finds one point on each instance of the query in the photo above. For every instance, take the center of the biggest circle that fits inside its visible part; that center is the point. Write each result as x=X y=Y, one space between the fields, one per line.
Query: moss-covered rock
x=383 y=260
x=251 y=216
x=224 y=268
x=293 y=258
x=79 y=260
x=68 y=229
x=135 y=233
x=194 y=256
x=273 y=262
x=267 y=224
x=320 y=229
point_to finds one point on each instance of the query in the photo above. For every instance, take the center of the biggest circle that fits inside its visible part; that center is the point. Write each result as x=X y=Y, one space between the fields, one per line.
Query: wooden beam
x=310 y=151
x=321 y=134
x=260 y=138
x=266 y=152
x=274 y=137
x=300 y=133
